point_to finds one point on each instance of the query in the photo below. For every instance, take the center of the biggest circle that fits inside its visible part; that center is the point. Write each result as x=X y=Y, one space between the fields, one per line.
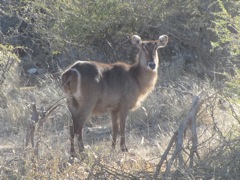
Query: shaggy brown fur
x=96 y=88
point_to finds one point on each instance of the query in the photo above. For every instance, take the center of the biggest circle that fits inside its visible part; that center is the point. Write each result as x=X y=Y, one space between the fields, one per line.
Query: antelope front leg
x=123 y=115
x=114 y=116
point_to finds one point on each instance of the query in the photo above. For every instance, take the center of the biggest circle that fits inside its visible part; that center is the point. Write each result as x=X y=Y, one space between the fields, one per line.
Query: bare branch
x=178 y=137
x=164 y=156
x=48 y=112
x=35 y=120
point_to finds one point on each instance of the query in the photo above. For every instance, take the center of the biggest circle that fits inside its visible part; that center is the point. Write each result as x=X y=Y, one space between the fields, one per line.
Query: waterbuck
x=95 y=88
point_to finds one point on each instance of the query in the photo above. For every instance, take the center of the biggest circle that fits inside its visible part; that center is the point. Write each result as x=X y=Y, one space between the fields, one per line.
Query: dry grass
x=149 y=131
x=150 y=128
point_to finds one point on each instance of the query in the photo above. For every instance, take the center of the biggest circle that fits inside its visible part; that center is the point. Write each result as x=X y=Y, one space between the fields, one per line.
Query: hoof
x=73 y=154
x=124 y=149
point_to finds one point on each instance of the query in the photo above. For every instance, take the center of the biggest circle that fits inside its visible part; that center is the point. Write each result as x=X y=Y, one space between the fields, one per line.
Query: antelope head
x=148 y=55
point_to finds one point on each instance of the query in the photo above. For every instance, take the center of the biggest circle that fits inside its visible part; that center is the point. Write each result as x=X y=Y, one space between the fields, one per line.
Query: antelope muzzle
x=152 y=65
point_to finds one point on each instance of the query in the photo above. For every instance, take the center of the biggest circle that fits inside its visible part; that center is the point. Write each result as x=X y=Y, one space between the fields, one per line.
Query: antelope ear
x=136 y=40
x=162 y=41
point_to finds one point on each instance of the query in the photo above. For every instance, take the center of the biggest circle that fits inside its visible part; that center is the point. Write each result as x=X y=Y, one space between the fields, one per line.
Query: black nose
x=152 y=65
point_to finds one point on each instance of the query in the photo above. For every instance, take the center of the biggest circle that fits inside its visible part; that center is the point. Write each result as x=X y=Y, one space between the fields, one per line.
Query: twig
x=48 y=112
x=194 y=141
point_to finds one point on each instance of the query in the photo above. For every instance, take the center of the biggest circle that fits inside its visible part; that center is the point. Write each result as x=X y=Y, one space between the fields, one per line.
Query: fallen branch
x=178 y=138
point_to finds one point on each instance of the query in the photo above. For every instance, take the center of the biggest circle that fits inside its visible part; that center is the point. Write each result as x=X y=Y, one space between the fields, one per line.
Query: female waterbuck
x=96 y=88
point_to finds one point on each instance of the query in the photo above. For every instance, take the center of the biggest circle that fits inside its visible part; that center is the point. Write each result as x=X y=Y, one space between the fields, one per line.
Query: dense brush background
x=39 y=39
